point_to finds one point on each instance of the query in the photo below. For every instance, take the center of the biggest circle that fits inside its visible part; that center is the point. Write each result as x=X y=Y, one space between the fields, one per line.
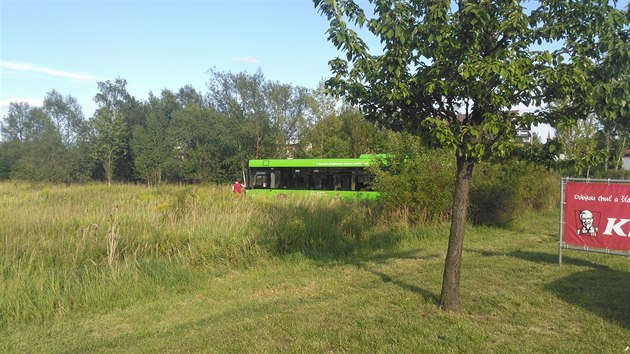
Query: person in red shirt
x=237 y=187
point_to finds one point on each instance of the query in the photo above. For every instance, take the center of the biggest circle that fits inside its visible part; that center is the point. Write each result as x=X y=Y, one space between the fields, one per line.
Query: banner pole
x=561 y=223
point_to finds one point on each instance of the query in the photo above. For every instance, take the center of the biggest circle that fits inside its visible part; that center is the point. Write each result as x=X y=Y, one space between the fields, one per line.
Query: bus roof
x=358 y=162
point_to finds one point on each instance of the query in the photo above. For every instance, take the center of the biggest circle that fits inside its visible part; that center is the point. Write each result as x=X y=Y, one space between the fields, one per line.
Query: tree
x=347 y=134
x=150 y=145
x=287 y=106
x=454 y=71
x=579 y=142
x=67 y=116
x=34 y=148
x=241 y=98
x=267 y=116
x=187 y=96
x=24 y=123
x=321 y=104
x=9 y=154
x=601 y=89
x=160 y=144
x=205 y=148
x=73 y=158
x=22 y=129
x=110 y=126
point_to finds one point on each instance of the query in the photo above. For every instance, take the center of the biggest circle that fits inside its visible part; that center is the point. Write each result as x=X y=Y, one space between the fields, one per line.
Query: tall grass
x=68 y=249
x=65 y=249
x=177 y=268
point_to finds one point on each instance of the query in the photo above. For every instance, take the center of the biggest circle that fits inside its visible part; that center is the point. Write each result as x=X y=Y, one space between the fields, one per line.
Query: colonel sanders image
x=586 y=218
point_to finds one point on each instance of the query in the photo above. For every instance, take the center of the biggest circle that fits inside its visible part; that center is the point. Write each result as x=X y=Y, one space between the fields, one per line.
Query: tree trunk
x=622 y=151
x=608 y=139
x=108 y=166
x=449 y=299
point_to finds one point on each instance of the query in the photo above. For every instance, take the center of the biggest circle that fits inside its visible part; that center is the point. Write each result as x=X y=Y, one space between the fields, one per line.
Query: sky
x=70 y=45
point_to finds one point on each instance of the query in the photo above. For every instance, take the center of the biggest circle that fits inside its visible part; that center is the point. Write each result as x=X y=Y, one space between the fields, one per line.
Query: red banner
x=597 y=215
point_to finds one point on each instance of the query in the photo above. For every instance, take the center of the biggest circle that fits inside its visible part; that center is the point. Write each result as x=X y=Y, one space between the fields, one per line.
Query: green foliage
x=453 y=71
x=40 y=144
x=204 y=148
x=110 y=125
x=42 y=160
x=177 y=136
x=544 y=154
x=416 y=185
x=265 y=117
x=67 y=117
x=150 y=144
x=505 y=191
x=347 y=134
x=9 y=154
x=415 y=182
x=579 y=145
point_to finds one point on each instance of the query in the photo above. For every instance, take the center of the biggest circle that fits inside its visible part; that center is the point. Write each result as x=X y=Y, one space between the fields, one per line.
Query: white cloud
x=4 y=104
x=250 y=60
x=31 y=101
x=47 y=71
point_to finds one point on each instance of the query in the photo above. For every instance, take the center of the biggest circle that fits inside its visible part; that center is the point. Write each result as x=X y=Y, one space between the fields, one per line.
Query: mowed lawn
x=515 y=298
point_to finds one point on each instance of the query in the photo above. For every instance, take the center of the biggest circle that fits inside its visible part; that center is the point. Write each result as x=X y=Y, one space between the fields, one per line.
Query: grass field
x=196 y=269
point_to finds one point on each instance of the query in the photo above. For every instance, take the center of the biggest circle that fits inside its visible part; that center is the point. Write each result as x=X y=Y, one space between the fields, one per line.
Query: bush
x=501 y=192
x=416 y=183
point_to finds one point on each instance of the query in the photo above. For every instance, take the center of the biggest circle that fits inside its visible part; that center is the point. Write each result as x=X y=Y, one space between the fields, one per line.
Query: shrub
x=415 y=182
x=501 y=192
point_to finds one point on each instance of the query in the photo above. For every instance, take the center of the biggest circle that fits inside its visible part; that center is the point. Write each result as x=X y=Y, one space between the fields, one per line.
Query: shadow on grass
x=601 y=290
x=541 y=257
x=426 y=294
x=410 y=254
x=344 y=231
x=552 y=258
x=604 y=292
x=325 y=230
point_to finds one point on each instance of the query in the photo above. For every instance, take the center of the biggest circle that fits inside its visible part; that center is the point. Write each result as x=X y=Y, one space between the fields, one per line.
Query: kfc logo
x=586 y=220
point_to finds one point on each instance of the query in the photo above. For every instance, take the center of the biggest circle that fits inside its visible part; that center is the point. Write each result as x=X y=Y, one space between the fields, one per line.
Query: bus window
x=324 y=175
x=260 y=180
x=285 y=180
x=328 y=182
x=300 y=181
x=275 y=178
x=343 y=182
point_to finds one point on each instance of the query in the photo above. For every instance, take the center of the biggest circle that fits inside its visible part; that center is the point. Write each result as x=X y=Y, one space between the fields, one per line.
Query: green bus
x=343 y=178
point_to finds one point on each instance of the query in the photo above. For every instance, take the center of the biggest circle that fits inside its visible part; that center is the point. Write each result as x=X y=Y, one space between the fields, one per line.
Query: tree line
x=188 y=136
x=182 y=136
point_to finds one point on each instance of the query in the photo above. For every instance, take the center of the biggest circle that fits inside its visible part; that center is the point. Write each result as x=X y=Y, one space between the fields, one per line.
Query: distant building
x=626 y=160
x=524 y=135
